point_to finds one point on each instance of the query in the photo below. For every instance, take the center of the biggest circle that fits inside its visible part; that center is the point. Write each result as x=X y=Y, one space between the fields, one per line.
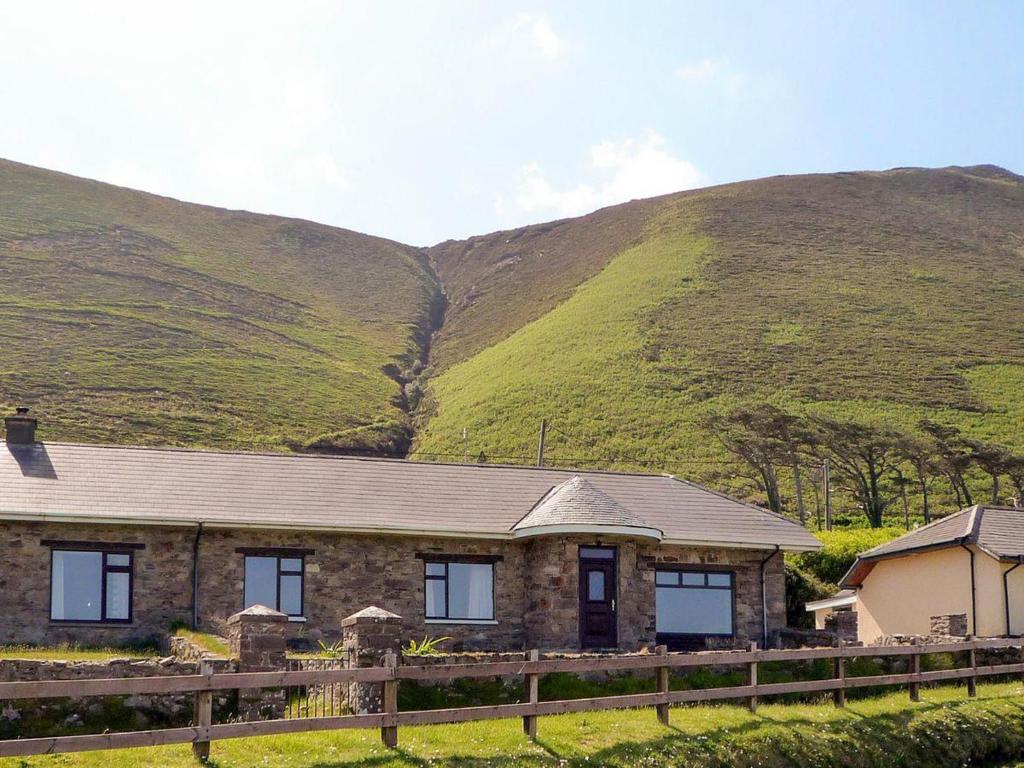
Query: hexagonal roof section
x=579 y=506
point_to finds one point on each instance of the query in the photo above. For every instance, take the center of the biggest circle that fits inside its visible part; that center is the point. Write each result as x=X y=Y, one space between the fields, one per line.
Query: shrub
x=841 y=549
x=802 y=587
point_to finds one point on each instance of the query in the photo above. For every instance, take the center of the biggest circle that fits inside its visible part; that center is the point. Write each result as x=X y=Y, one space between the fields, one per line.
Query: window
x=694 y=603
x=274 y=581
x=459 y=591
x=90 y=585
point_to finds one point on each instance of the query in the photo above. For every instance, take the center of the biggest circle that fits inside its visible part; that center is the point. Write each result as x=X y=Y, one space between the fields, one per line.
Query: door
x=598 y=627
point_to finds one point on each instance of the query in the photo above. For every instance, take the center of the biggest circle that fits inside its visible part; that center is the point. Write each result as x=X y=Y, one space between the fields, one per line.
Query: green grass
x=944 y=729
x=881 y=297
x=206 y=641
x=73 y=653
x=132 y=318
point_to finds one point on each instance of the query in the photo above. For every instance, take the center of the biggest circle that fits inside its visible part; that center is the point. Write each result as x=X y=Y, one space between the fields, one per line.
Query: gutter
x=1006 y=591
x=51 y=517
x=764 y=597
x=195 y=577
x=974 y=590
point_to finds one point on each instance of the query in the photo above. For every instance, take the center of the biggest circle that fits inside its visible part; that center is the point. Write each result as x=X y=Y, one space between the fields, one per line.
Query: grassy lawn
x=73 y=653
x=945 y=729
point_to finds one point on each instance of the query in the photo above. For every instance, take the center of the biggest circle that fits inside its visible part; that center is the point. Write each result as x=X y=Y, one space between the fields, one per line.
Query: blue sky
x=423 y=121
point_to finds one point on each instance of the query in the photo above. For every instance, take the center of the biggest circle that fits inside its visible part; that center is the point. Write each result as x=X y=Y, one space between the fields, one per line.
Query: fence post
x=1022 y=660
x=203 y=715
x=839 y=667
x=752 y=680
x=389 y=733
x=663 y=679
x=533 y=695
x=915 y=670
x=972 y=662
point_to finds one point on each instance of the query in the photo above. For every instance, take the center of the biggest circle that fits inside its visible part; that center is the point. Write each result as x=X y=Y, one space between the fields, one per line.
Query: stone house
x=966 y=565
x=104 y=544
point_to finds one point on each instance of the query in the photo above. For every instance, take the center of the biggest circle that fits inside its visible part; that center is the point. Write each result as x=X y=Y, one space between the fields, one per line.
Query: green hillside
x=883 y=297
x=127 y=317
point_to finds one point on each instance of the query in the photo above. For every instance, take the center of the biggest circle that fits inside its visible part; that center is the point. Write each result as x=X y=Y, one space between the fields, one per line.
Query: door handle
x=613 y=603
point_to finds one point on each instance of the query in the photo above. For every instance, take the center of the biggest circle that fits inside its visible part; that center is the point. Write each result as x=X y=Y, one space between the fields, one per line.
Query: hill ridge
x=180 y=323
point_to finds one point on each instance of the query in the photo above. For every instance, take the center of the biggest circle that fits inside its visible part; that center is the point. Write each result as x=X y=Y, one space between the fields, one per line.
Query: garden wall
x=93 y=714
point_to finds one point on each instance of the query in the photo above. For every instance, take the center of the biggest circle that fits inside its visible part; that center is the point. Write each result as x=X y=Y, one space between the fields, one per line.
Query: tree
x=863 y=457
x=994 y=460
x=954 y=458
x=765 y=438
x=1015 y=471
x=922 y=453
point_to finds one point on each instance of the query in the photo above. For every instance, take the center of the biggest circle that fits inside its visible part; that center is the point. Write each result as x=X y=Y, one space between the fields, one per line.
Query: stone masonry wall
x=552 y=578
x=35 y=717
x=162 y=589
x=745 y=564
x=536 y=585
x=350 y=572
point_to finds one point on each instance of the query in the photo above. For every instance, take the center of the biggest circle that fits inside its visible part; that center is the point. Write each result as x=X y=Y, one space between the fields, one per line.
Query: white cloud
x=630 y=169
x=535 y=31
x=703 y=71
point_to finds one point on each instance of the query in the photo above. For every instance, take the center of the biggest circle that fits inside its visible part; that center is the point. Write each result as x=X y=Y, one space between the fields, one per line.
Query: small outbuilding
x=967 y=564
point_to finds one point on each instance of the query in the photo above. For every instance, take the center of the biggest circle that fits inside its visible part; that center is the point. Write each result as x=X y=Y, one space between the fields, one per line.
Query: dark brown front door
x=597 y=597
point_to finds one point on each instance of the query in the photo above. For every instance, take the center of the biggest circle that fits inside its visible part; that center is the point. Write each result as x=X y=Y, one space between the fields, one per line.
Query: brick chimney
x=21 y=428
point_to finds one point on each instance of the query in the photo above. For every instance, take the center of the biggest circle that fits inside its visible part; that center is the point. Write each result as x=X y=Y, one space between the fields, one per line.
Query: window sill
x=92 y=623
x=477 y=622
x=297 y=619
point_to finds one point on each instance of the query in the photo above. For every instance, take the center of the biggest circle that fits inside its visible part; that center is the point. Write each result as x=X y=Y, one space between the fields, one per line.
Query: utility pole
x=540 y=444
x=828 y=495
x=465 y=445
x=799 y=490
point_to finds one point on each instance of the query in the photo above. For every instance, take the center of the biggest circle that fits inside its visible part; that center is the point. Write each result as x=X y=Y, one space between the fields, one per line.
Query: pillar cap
x=372 y=615
x=259 y=613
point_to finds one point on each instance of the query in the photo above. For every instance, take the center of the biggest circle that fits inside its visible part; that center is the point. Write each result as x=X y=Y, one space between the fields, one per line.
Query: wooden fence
x=531 y=668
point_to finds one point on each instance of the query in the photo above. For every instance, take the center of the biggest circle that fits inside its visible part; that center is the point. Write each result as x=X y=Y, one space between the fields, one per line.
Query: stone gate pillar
x=367 y=637
x=256 y=637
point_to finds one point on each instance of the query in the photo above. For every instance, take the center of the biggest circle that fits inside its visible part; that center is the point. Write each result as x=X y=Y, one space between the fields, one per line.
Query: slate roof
x=999 y=531
x=63 y=481
x=578 y=503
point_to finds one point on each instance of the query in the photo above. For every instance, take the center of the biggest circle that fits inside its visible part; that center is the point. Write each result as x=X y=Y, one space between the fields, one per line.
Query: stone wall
x=536 y=585
x=842 y=624
x=41 y=717
x=162 y=594
x=553 y=590
x=187 y=650
x=949 y=625
x=745 y=564
x=346 y=573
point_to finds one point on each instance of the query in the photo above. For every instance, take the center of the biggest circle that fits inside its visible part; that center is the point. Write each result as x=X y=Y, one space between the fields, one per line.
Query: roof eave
x=636 y=531
x=832 y=602
x=633 y=531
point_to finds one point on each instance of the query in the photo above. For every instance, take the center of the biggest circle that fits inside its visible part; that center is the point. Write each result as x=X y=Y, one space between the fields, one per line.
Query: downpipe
x=195 y=577
x=974 y=592
x=1006 y=591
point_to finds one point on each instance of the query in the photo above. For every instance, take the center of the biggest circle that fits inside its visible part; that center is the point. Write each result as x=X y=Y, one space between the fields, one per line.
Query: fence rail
x=531 y=668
